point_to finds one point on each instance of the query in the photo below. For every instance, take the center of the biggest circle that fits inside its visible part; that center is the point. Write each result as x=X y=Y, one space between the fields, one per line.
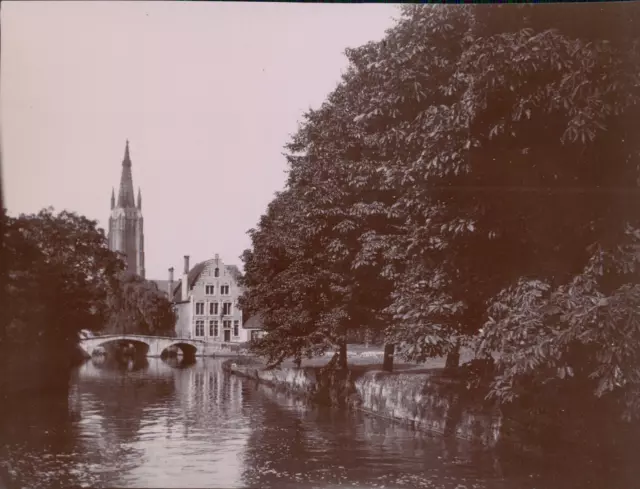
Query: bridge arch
x=189 y=351
x=138 y=345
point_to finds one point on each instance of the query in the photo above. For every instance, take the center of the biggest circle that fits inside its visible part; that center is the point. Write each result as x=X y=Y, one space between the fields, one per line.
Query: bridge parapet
x=158 y=344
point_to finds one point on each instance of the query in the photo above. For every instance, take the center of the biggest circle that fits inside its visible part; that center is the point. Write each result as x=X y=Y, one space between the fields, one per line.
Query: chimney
x=170 y=291
x=185 y=277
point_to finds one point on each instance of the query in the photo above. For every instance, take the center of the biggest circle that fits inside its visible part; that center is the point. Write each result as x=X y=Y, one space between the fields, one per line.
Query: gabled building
x=206 y=302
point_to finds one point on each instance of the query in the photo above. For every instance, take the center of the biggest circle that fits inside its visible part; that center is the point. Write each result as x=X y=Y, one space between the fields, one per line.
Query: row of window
x=213 y=328
x=211 y=289
x=214 y=308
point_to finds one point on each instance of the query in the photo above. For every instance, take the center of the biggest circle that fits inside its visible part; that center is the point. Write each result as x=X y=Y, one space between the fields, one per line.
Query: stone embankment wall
x=430 y=402
x=427 y=401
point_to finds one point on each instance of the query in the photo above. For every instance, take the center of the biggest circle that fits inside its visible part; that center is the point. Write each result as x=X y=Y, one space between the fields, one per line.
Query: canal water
x=161 y=424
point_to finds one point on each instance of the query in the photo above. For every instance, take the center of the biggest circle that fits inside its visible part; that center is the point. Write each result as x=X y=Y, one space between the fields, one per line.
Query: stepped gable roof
x=194 y=275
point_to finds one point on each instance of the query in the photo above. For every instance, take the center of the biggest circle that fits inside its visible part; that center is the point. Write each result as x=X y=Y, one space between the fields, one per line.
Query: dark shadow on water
x=125 y=350
x=369 y=448
x=179 y=362
x=183 y=351
x=129 y=364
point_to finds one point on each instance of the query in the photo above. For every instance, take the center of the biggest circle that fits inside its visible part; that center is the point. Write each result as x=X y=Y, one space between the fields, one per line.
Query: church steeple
x=126 y=225
x=125 y=195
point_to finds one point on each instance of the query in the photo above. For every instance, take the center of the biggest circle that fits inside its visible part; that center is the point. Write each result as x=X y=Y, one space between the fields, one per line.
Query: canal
x=160 y=424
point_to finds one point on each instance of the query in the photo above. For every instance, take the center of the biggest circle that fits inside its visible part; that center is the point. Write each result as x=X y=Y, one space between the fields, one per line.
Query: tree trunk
x=342 y=355
x=387 y=362
x=367 y=337
x=453 y=358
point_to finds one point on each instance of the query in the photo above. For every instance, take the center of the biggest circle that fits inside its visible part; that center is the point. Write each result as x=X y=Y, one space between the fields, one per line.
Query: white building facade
x=206 y=302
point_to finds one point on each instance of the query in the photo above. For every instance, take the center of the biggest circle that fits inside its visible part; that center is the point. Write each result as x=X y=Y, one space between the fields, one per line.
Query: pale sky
x=207 y=93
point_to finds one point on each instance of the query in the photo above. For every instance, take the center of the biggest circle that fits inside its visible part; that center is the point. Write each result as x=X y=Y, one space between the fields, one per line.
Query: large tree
x=62 y=278
x=495 y=127
x=59 y=275
x=331 y=226
x=473 y=139
x=284 y=285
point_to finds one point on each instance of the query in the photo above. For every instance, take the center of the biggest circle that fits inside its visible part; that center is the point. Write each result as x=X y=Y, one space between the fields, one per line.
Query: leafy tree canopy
x=474 y=159
x=62 y=278
x=60 y=273
x=137 y=306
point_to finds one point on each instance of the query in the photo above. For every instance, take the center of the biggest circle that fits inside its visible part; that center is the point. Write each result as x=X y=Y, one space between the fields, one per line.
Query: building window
x=216 y=272
x=209 y=289
x=224 y=290
x=199 y=308
x=236 y=328
x=199 y=327
x=213 y=308
x=213 y=328
x=226 y=309
x=226 y=324
x=255 y=335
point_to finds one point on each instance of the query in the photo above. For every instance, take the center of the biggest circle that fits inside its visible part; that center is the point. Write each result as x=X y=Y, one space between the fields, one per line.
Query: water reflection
x=169 y=411
x=169 y=424
x=319 y=447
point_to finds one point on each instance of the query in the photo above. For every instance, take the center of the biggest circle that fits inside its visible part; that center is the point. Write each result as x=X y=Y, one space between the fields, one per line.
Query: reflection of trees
x=96 y=436
x=123 y=394
x=285 y=444
x=292 y=443
x=34 y=435
x=123 y=349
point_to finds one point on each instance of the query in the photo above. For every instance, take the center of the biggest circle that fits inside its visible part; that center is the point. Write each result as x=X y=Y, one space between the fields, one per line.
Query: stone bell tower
x=126 y=233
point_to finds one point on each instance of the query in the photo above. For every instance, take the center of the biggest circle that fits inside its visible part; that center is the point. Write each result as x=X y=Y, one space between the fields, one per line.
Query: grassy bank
x=359 y=357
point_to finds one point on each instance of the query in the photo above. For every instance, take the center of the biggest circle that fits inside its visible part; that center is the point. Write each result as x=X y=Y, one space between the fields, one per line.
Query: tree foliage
x=586 y=328
x=138 y=306
x=285 y=284
x=60 y=273
x=468 y=175
x=62 y=279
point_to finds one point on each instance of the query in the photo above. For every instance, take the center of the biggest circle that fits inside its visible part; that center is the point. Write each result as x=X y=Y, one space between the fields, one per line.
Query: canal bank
x=425 y=399
x=451 y=406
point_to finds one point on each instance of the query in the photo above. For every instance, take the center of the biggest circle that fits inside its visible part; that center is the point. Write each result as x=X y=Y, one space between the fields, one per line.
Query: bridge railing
x=230 y=345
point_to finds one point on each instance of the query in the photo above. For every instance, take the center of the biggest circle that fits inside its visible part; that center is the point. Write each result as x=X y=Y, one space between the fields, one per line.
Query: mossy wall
x=426 y=401
x=430 y=402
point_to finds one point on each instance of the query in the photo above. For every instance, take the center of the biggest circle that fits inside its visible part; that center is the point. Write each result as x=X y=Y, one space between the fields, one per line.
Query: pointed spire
x=127 y=159
x=139 y=199
x=113 y=198
x=125 y=195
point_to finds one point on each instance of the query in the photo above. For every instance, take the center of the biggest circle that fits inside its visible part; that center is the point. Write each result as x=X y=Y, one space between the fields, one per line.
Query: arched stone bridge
x=155 y=345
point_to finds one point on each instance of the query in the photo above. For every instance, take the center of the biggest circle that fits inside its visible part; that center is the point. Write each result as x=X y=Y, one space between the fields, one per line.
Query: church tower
x=126 y=224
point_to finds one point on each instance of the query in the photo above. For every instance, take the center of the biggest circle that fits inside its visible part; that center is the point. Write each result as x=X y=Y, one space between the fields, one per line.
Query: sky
x=207 y=94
